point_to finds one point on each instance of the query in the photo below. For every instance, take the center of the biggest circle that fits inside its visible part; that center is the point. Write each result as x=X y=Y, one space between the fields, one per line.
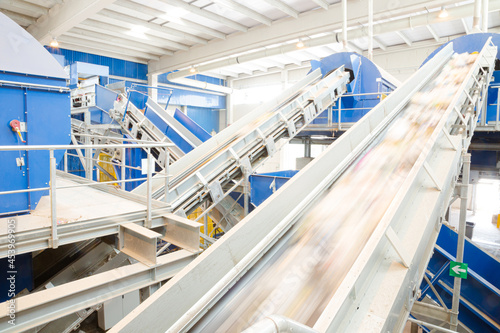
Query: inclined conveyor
x=327 y=250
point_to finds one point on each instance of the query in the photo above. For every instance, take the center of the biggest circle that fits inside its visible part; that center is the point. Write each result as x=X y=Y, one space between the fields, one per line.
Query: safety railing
x=337 y=123
x=52 y=188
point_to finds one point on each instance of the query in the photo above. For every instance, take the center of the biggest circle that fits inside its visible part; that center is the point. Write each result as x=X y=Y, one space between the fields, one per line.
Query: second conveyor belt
x=356 y=256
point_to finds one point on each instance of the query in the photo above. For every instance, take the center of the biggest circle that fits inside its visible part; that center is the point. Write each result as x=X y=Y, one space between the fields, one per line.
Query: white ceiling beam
x=283 y=7
x=273 y=63
x=433 y=32
x=25 y=8
x=253 y=67
x=20 y=19
x=63 y=17
x=153 y=26
x=226 y=72
x=45 y=3
x=404 y=38
x=87 y=49
x=244 y=11
x=206 y=14
x=104 y=47
x=291 y=59
x=322 y=3
x=310 y=56
x=117 y=31
x=354 y=47
x=175 y=22
x=240 y=70
x=308 y=24
x=117 y=41
x=466 y=26
x=380 y=43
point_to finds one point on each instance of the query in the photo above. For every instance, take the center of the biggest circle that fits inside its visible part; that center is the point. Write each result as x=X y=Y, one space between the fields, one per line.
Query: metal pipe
x=279 y=324
x=464 y=189
x=370 y=29
x=477 y=15
x=65 y=147
x=54 y=243
x=344 y=24
x=437 y=328
x=34 y=85
x=203 y=85
x=149 y=185
x=122 y=169
x=484 y=16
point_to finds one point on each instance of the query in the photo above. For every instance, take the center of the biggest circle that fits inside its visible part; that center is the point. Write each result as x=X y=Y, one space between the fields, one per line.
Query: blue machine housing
x=474 y=43
x=366 y=78
x=33 y=92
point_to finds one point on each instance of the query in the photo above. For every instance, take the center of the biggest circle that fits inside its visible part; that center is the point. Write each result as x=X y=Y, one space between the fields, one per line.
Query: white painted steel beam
x=22 y=20
x=100 y=46
x=283 y=7
x=178 y=23
x=103 y=38
x=118 y=31
x=309 y=24
x=111 y=54
x=244 y=11
x=44 y=306
x=63 y=17
x=322 y=3
x=465 y=25
x=380 y=43
x=25 y=8
x=206 y=14
x=131 y=22
x=404 y=38
x=433 y=32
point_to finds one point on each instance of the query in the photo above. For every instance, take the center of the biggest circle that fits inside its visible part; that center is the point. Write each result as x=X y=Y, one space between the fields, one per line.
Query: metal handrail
x=54 y=240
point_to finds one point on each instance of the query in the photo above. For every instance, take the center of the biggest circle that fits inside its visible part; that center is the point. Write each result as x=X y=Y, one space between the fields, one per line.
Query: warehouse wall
x=204 y=108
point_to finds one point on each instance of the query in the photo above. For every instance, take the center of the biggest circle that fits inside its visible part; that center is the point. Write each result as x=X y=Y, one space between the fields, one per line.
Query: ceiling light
x=443 y=13
x=192 y=70
x=54 y=43
x=300 y=44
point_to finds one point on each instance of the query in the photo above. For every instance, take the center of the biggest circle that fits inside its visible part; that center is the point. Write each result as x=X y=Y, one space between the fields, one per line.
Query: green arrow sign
x=458 y=269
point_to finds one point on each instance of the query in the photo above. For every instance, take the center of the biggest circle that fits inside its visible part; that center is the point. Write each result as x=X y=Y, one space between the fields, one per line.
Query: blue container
x=33 y=97
x=265 y=184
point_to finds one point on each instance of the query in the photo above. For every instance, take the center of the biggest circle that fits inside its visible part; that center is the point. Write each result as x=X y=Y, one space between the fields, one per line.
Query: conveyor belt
x=357 y=259
x=217 y=167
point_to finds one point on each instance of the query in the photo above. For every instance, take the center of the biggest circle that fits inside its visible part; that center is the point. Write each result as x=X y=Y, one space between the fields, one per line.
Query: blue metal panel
x=142 y=71
x=366 y=78
x=169 y=132
x=48 y=124
x=13 y=177
x=192 y=126
x=265 y=184
x=474 y=43
x=481 y=289
x=207 y=118
x=23 y=277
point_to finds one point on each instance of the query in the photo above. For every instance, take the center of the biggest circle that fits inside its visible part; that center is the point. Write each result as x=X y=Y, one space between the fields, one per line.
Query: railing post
x=167 y=176
x=54 y=240
x=340 y=99
x=122 y=169
x=464 y=189
x=149 y=187
x=246 y=185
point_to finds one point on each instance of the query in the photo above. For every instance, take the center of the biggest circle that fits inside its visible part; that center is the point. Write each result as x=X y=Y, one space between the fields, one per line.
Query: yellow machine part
x=108 y=167
x=210 y=225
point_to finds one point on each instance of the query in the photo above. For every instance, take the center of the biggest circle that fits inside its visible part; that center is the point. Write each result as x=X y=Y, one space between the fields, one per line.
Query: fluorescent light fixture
x=443 y=13
x=54 y=43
